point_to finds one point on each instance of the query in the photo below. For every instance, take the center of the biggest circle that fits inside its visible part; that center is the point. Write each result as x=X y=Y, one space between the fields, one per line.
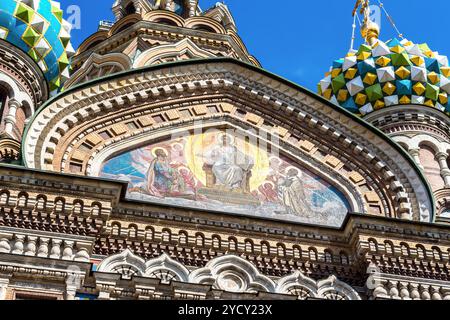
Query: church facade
x=161 y=161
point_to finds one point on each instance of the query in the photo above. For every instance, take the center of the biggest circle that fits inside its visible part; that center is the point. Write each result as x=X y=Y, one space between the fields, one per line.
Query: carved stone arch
x=17 y=93
x=105 y=64
x=334 y=289
x=297 y=284
x=234 y=274
x=196 y=22
x=123 y=23
x=91 y=42
x=155 y=16
x=416 y=141
x=126 y=263
x=255 y=98
x=166 y=269
x=181 y=50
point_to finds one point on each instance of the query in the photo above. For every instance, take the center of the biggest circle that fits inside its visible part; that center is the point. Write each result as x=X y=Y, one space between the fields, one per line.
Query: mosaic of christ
x=220 y=172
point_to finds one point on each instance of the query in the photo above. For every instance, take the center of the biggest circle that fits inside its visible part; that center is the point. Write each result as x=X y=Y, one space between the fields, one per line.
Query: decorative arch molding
x=56 y=131
x=106 y=64
x=9 y=150
x=17 y=93
x=183 y=48
x=232 y=273
x=167 y=268
x=195 y=22
x=92 y=40
x=126 y=263
x=154 y=16
x=305 y=287
x=24 y=77
x=228 y=273
x=416 y=141
x=123 y=23
x=412 y=119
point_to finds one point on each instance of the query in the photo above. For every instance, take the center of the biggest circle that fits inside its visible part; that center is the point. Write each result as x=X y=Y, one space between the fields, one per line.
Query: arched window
x=312 y=254
x=132 y=231
x=421 y=252
x=77 y=207
x=166 y=235
x=216 y=243
x=328 y=256
x=183 y=238
x=373 y=245
x=167 y=22
x=202 y=27
x=437 y=254
x=281 y=250
x=265 y=248
x=200 y=240
x=41 y=202
x=22 y=200
x=389 y=247
x=3 y=98
x=297 y=252
x=248 y=246
x=4 y=197
x=431 y=167
x=405 y=249
x=149 y=233
x=115 y=229
x=344 y=258
x=232 y=244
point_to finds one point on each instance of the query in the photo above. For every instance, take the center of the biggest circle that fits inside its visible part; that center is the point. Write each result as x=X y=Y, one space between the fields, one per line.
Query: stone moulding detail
x=231 y=273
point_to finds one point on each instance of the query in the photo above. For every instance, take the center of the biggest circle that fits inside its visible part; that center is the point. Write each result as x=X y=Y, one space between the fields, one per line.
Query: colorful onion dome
x=38 y=28
x=386 y=74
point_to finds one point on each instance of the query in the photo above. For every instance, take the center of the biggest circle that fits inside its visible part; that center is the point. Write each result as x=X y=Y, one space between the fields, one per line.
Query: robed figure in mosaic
x=230 y=166
x=162 y=179
x=293 y=194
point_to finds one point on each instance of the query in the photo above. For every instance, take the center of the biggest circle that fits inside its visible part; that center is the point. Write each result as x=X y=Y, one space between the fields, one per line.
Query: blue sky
x=299 y=39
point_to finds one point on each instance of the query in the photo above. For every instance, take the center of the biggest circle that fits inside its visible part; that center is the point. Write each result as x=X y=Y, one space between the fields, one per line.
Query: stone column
x=10 y=119
x=55 y=252
x=415 y=153
x=192 y=7
x=43 y=247
x=3 y=287
x=18 y=247
x=30 y=248
x=441 y=157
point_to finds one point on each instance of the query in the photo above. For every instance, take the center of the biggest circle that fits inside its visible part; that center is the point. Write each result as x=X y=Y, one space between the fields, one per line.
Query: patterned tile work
x=388 y=73
x=38 y=28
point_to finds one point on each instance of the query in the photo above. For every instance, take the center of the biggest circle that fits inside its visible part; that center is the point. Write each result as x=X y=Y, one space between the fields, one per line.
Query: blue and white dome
x=38 y=28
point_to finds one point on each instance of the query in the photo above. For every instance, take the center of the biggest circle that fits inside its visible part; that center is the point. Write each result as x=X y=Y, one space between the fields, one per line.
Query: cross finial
x=369 y=30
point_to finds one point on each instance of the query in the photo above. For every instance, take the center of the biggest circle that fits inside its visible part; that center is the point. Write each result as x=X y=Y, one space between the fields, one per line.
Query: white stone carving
x=44 y=245
x=164 y=263
x=305 y=287
x=232 y=273
x=228 y=273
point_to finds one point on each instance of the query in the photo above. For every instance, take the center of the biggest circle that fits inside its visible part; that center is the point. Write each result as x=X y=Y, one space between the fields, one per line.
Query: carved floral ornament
x=229 y=273
x=78 y=116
